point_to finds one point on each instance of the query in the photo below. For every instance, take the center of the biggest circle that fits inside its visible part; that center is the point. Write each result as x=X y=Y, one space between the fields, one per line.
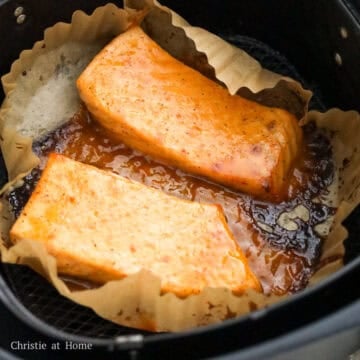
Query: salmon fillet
x=158 y=105
x=101 y=227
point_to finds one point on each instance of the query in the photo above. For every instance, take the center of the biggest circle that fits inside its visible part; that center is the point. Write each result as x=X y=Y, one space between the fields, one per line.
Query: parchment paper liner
x=139 y=303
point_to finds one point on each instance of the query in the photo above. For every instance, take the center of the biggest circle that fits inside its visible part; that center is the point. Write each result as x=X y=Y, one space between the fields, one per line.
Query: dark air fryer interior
x=295 y=38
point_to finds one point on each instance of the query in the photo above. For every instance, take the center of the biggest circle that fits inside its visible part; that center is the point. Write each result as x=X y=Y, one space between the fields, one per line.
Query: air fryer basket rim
x=127 y=343
x=303 y=336
x=17 y=308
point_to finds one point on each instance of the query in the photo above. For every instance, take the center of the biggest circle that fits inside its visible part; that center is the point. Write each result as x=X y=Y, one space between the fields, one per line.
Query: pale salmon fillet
x=158 y=105
x=102 y=227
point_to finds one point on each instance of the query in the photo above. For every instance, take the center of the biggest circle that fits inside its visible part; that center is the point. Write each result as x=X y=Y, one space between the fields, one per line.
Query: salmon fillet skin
x=158 y=105
x=100 y=227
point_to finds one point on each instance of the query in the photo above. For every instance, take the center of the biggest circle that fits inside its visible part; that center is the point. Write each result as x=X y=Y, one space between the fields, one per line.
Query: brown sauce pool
x=282 y=259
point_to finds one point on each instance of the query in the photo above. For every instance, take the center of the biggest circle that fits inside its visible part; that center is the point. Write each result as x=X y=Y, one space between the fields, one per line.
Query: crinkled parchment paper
x=41 y=95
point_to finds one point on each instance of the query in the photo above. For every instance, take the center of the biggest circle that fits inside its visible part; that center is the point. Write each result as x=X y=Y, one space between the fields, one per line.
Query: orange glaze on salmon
x=156 y=104
x=101 y=227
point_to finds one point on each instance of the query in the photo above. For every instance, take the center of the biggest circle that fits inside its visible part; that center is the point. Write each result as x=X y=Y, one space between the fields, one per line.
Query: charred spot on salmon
x=256 y=149
x=271 y=125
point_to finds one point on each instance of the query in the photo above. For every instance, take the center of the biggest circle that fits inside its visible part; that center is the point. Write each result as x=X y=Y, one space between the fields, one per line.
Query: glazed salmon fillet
x=156 y=104
x=100 y=227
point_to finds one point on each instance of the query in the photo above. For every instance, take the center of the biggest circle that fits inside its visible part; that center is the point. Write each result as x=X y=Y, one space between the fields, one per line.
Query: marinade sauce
x=283 y=258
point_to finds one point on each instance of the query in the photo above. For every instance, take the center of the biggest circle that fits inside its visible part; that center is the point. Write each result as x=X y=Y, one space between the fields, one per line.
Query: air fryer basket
x=305 y=50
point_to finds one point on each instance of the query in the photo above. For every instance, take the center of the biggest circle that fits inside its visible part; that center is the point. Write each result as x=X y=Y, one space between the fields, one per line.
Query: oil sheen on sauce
x=282 y=259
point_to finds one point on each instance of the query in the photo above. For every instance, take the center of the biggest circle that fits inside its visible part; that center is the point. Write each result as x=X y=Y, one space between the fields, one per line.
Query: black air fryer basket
x=302 y=39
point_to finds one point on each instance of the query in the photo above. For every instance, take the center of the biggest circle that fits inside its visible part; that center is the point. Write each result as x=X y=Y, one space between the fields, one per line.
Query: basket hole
x=338 y=59
x=344 y=32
